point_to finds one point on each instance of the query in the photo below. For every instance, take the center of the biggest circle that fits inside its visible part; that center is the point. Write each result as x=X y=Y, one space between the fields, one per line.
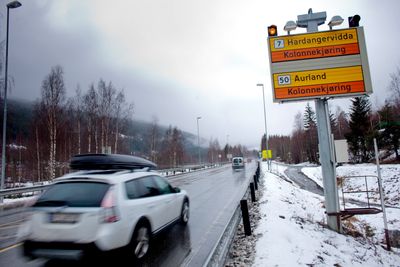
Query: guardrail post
x=255 y=182
x=245 y=216
x=252 y=192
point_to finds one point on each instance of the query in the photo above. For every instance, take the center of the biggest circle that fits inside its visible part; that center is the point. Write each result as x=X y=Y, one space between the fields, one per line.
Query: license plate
x=64 y=217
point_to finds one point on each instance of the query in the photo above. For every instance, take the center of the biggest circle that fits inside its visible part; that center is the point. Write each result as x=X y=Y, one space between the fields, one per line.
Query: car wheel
x=141 y=241
x=185 y=212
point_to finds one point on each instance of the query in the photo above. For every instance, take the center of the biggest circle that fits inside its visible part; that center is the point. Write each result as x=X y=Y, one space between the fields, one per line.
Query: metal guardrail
x=220 y=251
x=21 y=190
x=218 y=254
x=187 y=168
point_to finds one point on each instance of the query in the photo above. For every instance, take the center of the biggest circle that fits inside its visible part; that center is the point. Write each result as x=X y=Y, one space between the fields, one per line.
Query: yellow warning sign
x=267 y=154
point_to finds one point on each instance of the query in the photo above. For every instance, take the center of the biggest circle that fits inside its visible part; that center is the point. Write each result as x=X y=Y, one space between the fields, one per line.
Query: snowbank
x=390 y=180
x=292 y=232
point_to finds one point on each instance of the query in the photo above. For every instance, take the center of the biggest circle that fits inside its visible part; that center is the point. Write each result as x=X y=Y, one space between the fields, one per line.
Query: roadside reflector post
x=245 y=216
x=382 y=195
x=255 y=182
x=252 y=192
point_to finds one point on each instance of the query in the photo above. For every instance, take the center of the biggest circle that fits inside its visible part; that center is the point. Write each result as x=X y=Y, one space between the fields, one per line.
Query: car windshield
x=73 y=194
x=237 y=160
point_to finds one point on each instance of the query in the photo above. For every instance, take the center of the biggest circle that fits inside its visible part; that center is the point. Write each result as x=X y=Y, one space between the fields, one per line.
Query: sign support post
x=311 y=22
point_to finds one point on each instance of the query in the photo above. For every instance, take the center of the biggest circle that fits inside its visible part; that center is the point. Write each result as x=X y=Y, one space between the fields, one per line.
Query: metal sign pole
x=381 y=194
x=311 y=22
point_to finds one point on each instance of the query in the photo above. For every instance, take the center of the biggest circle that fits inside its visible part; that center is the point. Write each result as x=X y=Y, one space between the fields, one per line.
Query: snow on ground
x=390 y=180
x=292 y=231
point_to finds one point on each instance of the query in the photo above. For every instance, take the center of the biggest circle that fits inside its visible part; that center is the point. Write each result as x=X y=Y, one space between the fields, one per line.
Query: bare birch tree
x=214 y=149
x=172 y=147
x=106 y=95
x=342 y=123
x=78 y=107
x=394 y=87
x=122 y=111
x=152 y=139
x=90 y=100
x=297 y=144
x=53 y=96
x=40 y=140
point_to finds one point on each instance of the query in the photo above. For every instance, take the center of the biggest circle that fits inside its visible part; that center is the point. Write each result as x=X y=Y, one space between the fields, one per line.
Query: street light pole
x=14 y=4
x=198 y=138
x=265 y=120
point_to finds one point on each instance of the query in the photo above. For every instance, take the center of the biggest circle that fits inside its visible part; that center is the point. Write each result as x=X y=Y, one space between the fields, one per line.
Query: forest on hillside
x=43 y=135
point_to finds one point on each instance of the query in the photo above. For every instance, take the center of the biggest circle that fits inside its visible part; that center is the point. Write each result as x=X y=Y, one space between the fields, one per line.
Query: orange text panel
x=319 y=90
x=316 y=52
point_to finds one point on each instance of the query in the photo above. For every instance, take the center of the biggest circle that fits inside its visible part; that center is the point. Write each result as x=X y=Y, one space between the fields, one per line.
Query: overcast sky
x=180 y=59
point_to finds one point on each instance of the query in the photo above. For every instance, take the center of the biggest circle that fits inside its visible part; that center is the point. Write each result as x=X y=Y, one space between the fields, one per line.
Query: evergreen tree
x=263 y=143
x=359 y=137
x=389 y=129
x=310 y=126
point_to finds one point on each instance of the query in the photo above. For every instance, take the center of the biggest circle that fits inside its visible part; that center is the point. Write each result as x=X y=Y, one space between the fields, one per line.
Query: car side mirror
x=177 y=189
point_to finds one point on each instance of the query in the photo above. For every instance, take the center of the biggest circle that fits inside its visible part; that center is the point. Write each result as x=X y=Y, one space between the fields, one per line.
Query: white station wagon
x=115 y=203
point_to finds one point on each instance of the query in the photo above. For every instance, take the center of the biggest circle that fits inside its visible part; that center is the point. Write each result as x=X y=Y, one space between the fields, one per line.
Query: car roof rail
x=110 y=162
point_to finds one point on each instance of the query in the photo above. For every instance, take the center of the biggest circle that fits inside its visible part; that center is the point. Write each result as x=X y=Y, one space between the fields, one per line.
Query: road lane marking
x=7 y=226
x=10 y=247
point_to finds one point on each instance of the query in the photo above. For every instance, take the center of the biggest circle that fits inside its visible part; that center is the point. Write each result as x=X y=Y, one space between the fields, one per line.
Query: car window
x=143 y=187
x=132 y=190
x=163 y=186
x=73 y=194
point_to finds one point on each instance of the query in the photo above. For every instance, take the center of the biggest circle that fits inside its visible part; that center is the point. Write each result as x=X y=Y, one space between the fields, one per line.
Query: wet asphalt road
x=294 y=173
x=214 y=195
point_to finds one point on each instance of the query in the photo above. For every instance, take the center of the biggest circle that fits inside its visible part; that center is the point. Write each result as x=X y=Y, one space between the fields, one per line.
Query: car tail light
x=109 y=207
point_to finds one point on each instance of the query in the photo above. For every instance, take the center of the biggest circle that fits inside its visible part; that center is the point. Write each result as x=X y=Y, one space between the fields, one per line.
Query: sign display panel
x=319 y=82
x=322 y=64
x=314 y=45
